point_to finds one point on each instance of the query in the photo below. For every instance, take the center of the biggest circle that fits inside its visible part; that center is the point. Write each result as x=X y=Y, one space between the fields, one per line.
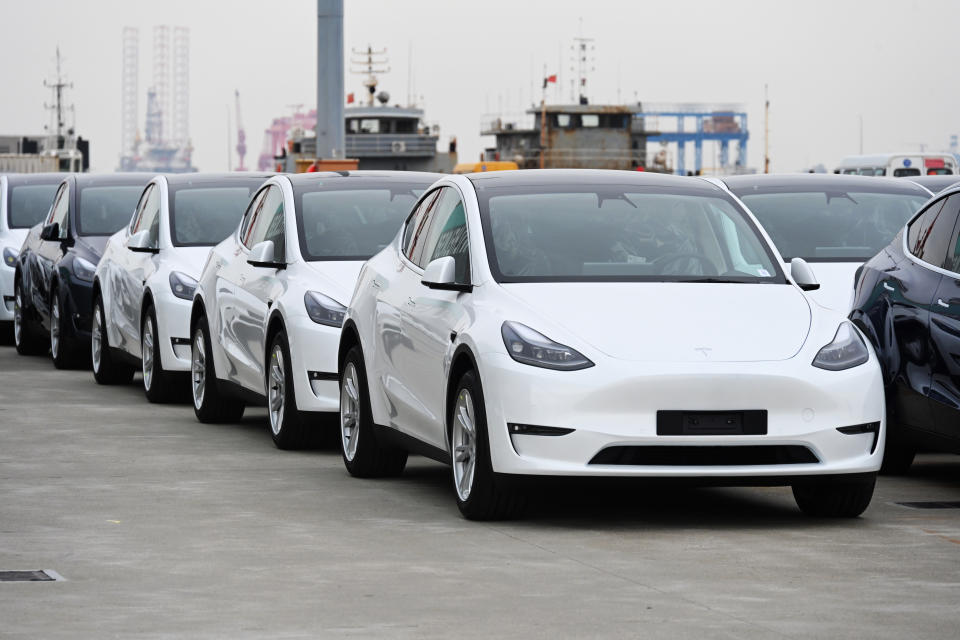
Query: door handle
x=411 y=303
x=888 y=287
x=375 y=283
x=942 y=303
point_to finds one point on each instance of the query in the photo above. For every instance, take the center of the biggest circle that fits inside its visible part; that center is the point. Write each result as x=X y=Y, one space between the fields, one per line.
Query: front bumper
x=79 y=304
x=313 y=363
x=173 y=329
x=6 y=291
x=615 y=404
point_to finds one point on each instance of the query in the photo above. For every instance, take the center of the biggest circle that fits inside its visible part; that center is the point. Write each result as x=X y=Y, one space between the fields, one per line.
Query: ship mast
x=373 y=61
x=57 y=108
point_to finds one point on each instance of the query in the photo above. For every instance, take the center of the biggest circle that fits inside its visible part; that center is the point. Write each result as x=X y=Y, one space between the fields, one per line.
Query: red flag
x=552 y=78
x=349 y=98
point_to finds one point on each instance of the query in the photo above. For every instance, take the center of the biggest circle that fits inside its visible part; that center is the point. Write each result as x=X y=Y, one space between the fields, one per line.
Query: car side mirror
x=261 y=255
x=802 y=274
x=140 y=242
x=442 y=274
x=50 y=231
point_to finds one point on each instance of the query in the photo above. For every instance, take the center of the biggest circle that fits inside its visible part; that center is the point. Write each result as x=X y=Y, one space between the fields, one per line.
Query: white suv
x=143 y=288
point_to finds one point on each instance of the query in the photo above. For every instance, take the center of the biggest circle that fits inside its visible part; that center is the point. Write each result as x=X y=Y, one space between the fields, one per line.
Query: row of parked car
x=796 y=330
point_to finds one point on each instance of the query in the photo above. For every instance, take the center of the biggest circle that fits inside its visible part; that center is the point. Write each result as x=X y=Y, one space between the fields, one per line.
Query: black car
x=908 y=303
x=54 y=270
x=24 y=201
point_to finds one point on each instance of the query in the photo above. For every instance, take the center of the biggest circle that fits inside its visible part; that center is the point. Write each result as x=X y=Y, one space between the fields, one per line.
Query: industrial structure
x=241 y=135
x=165 y=146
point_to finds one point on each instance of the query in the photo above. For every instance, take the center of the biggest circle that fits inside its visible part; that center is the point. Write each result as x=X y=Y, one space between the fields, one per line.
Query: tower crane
x=241 y=134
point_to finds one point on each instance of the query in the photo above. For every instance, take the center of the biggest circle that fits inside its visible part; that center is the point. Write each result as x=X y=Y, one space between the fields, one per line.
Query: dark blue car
x=908 y=303
x=54 y=270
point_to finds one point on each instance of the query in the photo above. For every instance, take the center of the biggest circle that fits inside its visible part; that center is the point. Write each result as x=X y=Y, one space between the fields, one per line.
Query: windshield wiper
x=717 y=279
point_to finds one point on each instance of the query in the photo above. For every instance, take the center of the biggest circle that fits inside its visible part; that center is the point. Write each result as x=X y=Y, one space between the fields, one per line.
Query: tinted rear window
x=203 y=216
x=106 y=210
x=352 y=224
x=831 y=226
x=28 y=204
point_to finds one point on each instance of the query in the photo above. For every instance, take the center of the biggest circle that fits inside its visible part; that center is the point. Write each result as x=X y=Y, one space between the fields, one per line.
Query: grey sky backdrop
x=826 y=64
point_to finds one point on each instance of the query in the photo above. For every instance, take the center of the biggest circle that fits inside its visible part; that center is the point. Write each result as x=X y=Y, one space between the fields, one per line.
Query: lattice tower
x=161 y=78
x=180 y=132
x=129 y=102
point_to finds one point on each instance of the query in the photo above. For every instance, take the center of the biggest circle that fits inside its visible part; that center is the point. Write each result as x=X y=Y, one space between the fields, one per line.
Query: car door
x=135 y=268
x=945 y=336
x=256 y=288
x=432 y=316
x=50 y=251
x=393 y=356
x=910 y=287
x=227 y=281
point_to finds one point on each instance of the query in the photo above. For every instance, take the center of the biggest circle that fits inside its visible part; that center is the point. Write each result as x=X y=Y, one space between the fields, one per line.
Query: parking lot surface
x=164 y=527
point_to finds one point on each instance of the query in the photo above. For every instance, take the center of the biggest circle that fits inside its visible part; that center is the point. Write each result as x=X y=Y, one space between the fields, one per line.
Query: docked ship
x=378 y=135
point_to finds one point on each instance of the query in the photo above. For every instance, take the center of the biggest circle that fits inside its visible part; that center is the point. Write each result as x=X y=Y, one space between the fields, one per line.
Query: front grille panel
x=705 y=456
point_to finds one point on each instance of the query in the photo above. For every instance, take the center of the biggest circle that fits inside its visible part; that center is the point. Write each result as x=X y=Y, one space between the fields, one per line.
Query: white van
x=900 y=165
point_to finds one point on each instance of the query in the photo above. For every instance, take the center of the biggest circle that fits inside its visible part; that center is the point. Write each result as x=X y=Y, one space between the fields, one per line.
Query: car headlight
x=83 y=269
x=182 y=285
x=324 y=309
x=10 y=257
x=845 y=352
x=530 y=347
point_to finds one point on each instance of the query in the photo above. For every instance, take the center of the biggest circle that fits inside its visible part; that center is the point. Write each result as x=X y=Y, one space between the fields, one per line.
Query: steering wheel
x=709 y=269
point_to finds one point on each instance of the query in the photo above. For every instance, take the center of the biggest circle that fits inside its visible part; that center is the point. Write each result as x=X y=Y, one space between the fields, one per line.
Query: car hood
x=92 y=246
x=675 y=322
x=334 y=278
x=190 y=260
x=836 y=284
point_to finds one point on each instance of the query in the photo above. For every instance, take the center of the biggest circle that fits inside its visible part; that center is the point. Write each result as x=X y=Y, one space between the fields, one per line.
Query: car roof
x=302 y=179
x=112 y=179
x=935 y=183
x=207 y=178
x=17 y=179
x=774 y=182
x=586 y=177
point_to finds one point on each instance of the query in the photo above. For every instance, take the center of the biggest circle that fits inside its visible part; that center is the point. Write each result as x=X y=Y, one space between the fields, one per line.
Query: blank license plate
x=711 y=423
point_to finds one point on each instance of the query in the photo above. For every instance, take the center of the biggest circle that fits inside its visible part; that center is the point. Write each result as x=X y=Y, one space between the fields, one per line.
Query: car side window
x=929 y=234
x=951 y=261
x=250 y=216
x=138 y=212
x=60 y=209
x=415 y=234
x=269 y=223
x=149 y=218
x=448 y=235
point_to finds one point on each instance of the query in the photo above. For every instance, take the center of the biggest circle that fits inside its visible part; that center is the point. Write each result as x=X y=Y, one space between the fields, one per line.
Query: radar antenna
x=374 y=62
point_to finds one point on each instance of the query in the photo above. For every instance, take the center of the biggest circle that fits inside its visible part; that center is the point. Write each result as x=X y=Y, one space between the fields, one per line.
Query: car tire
x=26 y=338
x=481 y=495
x=287 y=426
x=106 y=369
x=834 y=498
x=6 y=333
x=158 y=383
x=364 y=455
x=63 y=350
x=210 y=404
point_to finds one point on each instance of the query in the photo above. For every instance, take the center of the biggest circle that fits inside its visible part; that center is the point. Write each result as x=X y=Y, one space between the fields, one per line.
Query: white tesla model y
x=143 y=288
x=267 y=313
x=592 y=323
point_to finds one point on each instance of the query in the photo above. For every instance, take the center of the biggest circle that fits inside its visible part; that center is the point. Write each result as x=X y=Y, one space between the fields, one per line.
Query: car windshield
x=351 y=224
x=621 y=234
x=204 y=215
x=831 y=226
x=28 y=204
x=106 y=210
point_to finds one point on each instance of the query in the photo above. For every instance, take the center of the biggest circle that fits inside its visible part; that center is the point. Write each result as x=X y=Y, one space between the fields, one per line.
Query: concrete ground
x=164 y=527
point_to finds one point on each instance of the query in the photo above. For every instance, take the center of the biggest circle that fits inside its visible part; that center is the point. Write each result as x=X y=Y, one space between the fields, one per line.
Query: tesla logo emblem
x=704 y=350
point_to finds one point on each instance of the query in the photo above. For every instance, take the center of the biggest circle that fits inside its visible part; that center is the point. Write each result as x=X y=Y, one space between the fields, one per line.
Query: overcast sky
x=827 y=64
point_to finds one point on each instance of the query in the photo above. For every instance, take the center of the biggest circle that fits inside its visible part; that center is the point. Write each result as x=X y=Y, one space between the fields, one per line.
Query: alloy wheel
x=17 y=316
x=277 y=389
x=146 y=349
x=55 y=326
x=349 y=412
x=464 y=444
x=96 y=338
x=198 y=369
